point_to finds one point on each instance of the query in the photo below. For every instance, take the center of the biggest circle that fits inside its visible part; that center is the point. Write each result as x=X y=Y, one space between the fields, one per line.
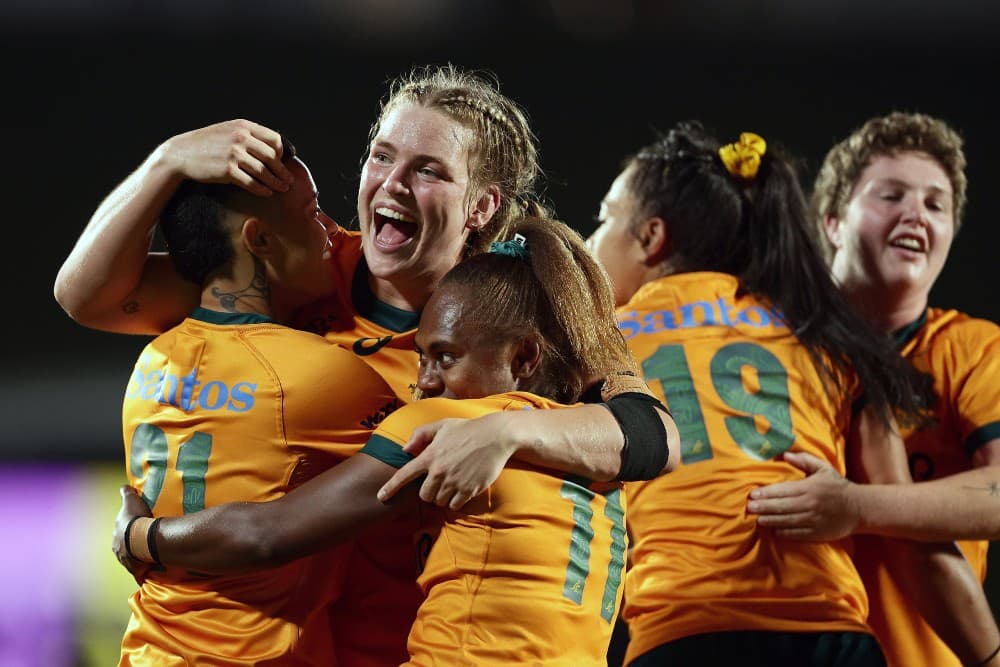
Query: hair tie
x=516 y=247
x=742 y=159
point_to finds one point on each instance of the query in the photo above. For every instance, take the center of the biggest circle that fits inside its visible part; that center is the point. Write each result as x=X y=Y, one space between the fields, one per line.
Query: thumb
x=805 y=462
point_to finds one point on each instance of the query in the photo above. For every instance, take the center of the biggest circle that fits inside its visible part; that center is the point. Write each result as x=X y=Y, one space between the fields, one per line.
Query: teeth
x=909 y=244
x=389 y=213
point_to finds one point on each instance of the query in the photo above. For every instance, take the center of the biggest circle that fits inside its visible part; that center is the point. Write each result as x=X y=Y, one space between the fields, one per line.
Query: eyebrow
x=906 y=184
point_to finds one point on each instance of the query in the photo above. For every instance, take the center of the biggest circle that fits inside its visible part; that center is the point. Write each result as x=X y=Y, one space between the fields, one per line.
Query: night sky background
x=89 y=89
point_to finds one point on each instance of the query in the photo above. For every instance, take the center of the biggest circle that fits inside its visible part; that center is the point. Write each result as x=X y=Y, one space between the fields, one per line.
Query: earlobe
x=526 y=360
x=254 y=236
x=654 y=240
x=484 y=208
x=831 y=226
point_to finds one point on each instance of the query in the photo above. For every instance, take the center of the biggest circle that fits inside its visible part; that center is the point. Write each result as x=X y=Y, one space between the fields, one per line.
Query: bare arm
x=110 y=280
x=824 y=505
x=935 y=576
x=461 y=458
x=327 y=510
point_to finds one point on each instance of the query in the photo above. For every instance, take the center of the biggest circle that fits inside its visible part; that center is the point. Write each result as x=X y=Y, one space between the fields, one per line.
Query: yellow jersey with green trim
x=742 y=390
x=962 y=354
x=527 y=573
x=229 y=407
x=375 y=610
x=351 y=316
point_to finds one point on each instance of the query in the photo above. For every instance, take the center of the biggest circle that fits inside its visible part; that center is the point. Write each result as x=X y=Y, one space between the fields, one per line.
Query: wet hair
x=892 y=134
x=193 y=222
x=559 y=294
x=504 y=150
x=759 y=230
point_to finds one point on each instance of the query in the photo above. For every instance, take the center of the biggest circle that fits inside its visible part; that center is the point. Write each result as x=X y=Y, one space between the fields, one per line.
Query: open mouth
x=392 y=229
x=911 y=243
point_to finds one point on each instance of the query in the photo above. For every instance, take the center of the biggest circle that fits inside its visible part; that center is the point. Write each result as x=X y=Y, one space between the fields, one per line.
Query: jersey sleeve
x=974 y=390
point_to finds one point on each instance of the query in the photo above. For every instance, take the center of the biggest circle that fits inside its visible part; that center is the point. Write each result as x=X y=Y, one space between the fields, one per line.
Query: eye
x=379 y=157
x=428 y=172
x=447 y=359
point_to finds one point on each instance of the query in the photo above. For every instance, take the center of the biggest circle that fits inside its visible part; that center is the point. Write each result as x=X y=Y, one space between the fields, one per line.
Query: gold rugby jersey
x=230 y=407
x=742 y=390
x=962 y=354
x=527 y=573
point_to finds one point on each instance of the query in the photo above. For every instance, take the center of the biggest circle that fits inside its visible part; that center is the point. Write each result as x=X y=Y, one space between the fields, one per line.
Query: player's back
x=235 y=408
x=742 y=390
x=529 y=572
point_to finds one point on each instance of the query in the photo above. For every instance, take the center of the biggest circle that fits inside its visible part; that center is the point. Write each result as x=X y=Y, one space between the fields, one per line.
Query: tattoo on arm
x=130 y=307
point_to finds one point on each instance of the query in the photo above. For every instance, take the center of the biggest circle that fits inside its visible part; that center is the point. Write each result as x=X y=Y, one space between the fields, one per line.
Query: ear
x=484 y=208
x=256 y=237
x=831 y=226
x=653 y=239
x=526 y=358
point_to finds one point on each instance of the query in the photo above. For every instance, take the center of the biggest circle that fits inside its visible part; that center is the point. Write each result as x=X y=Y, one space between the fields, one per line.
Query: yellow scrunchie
x=742 y=159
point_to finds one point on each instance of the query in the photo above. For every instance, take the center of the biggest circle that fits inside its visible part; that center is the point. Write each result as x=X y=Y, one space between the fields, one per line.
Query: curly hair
x=895 y=133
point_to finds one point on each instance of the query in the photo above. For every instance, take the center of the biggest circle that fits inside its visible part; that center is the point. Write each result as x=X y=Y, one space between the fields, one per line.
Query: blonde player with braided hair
x=727 y=303
x=449 y=165
x=528 y=572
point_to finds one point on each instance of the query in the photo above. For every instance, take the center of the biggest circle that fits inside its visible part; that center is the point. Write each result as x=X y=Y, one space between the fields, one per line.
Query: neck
x=243 y=292
x=411 y=295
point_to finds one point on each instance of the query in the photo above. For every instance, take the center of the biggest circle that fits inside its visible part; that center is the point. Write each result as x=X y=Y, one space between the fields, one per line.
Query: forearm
x=105 y=268
x=585 y=440
x=328 y=510
x=965 y=506
x=939 y=580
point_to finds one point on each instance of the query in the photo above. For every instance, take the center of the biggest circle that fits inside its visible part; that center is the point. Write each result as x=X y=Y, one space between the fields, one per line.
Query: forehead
x=916 y=169
x=618 y=195
x=442 y=316
x=303 y=190
x=419 y=130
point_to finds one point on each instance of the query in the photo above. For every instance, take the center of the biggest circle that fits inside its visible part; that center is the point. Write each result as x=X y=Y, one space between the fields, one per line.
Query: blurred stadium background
x=90 y=88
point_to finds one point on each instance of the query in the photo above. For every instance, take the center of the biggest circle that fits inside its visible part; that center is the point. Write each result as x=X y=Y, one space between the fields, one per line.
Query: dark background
x=89 y=89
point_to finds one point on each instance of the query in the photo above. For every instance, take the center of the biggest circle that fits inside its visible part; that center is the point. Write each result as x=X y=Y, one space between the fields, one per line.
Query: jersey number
x=149 y=446
x=769 y=403
x=579 y=546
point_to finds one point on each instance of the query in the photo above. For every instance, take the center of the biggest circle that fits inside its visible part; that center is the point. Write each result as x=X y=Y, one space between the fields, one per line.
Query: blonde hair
x=504 y=150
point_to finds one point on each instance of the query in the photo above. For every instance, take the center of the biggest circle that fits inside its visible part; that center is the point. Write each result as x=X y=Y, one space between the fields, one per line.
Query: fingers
x=805 y=461
x=422 y=437
x=779 y=490
x=403 y=476
x=779 y=505
x=262 y=159
x=792 y=520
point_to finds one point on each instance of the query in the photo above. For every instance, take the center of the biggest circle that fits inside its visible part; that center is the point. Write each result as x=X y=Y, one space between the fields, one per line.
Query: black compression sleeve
x=646 y=450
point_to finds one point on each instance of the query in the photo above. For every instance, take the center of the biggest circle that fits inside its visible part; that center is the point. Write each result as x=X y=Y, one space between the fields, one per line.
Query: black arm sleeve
x=646 y=449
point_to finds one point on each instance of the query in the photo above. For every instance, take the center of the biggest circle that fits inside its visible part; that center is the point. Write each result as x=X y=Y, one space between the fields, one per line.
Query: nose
x=429 y=379
x=393 y=183
x=914 y=210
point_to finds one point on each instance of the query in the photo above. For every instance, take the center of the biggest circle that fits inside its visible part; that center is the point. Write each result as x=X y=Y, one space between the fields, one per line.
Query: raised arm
x=329 y=509
x=110 y=280
x=934 y=575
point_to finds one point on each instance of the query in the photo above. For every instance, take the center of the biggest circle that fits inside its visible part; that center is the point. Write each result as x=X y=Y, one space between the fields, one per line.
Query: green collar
x=215 y=317
x=905 y=334
x=370 y=308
